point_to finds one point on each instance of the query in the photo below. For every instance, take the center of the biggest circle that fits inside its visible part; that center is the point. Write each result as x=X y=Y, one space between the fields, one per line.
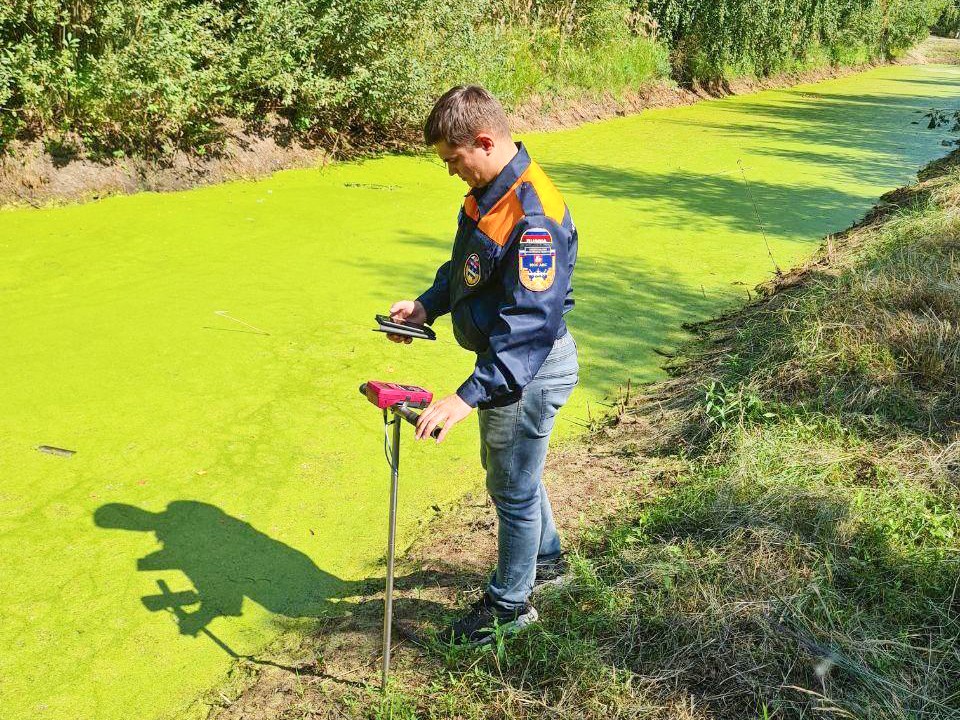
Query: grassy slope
x=799 y=553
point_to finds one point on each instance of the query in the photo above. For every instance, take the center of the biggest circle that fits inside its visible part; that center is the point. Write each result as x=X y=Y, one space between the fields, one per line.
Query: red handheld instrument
x=385 y=394
x=400 y=401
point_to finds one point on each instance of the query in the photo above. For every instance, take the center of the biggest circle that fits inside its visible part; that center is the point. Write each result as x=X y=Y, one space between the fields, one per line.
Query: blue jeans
x=513 y=449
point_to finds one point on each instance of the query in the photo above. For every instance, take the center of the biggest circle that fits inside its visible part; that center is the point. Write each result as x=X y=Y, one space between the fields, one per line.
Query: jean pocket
x=559 y=364
x=553 y=398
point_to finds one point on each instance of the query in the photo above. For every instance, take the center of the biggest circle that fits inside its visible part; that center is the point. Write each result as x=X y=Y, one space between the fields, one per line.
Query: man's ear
x=485 y=142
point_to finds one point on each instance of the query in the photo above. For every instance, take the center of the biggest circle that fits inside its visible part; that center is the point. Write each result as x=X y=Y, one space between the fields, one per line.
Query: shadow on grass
x=864 y=136
x=699 y=203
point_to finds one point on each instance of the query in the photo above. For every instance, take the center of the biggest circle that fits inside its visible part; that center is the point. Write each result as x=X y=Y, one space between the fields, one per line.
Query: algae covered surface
x=201 y=353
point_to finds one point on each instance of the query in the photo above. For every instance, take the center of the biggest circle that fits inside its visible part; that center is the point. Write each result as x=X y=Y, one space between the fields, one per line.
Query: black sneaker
x=551 y=572
x=479 y=625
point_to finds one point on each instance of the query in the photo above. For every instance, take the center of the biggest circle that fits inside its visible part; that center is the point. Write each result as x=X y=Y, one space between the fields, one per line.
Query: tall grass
x=516 y=63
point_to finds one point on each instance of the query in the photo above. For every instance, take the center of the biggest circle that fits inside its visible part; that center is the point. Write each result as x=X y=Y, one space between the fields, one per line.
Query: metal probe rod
x=391 y=547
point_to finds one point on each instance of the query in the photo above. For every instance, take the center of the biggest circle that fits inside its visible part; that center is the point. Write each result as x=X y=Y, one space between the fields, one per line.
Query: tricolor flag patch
x=538 y=260
x=536 y=235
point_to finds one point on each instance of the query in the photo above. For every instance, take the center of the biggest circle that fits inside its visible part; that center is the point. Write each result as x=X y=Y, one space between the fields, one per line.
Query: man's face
x=468 y=162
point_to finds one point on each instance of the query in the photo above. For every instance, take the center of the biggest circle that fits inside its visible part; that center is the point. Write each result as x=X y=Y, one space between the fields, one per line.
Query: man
x=507 y=287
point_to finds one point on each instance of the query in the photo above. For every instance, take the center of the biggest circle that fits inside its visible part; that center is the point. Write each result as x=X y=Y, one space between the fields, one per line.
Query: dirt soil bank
x=30 y=175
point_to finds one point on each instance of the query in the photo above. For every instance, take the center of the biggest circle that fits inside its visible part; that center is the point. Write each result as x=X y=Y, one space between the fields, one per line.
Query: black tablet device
x=402 y=327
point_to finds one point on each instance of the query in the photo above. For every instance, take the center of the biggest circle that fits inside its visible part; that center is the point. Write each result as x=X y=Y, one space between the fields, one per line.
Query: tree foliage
x=948 y=25
x=714 y=39
x=150 y=76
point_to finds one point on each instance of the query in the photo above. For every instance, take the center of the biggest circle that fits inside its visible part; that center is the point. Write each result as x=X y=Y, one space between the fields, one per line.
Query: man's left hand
x=448 y=411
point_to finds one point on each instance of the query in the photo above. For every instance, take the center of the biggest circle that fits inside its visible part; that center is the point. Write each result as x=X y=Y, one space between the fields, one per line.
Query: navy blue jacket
x=507 y=284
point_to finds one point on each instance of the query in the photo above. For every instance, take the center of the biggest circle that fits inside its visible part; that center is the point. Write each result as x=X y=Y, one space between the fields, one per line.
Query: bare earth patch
x=30 y=175
x=935 y=51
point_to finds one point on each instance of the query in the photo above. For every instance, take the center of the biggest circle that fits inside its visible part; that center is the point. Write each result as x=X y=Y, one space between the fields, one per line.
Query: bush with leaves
x=714 y=39
x=948 y=25
x=152 y=76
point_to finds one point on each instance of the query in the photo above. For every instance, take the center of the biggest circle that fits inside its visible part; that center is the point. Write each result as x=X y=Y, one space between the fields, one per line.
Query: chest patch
x=471 y=270
x=538 y=260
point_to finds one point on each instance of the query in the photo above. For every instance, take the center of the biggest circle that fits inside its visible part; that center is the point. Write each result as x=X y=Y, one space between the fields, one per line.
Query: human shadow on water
x=227 y=560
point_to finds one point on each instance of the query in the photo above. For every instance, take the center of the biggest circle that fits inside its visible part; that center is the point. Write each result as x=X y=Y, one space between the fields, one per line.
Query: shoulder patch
x=471 y=270
x=537 y=260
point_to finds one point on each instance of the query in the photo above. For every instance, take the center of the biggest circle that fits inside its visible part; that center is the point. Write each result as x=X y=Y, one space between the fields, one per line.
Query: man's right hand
x=409 y=310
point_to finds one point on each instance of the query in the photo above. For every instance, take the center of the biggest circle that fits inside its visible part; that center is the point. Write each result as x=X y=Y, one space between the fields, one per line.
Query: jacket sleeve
x=436 y=300
x=527 y=319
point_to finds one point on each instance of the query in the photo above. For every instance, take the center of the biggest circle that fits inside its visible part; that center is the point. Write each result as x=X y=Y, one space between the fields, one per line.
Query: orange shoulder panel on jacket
x=503 y=217
x=470 y=207
x=550 y=197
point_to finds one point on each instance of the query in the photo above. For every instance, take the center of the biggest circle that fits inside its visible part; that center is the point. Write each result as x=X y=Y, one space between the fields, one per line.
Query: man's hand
x=409 y=310
x=448 y=411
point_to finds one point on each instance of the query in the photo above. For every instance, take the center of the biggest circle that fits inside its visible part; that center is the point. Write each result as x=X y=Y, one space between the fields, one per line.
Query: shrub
x=948 y=25
x=714 y=39
x=150 y=76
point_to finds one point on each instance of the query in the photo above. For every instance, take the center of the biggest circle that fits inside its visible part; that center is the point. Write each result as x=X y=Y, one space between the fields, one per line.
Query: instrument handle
x=411 y=417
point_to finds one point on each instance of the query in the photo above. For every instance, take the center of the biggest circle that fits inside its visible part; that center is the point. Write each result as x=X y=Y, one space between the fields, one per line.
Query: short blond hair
x=461 y=113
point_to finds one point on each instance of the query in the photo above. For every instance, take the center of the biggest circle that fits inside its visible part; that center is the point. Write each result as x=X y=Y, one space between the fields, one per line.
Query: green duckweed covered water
x=219 y=462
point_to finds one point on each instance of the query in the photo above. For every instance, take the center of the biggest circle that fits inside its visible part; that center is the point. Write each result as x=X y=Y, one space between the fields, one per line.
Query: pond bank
x=31 y=176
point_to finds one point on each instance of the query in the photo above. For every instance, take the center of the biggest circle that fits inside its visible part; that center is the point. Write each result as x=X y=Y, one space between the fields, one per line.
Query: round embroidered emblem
x=471 y=270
